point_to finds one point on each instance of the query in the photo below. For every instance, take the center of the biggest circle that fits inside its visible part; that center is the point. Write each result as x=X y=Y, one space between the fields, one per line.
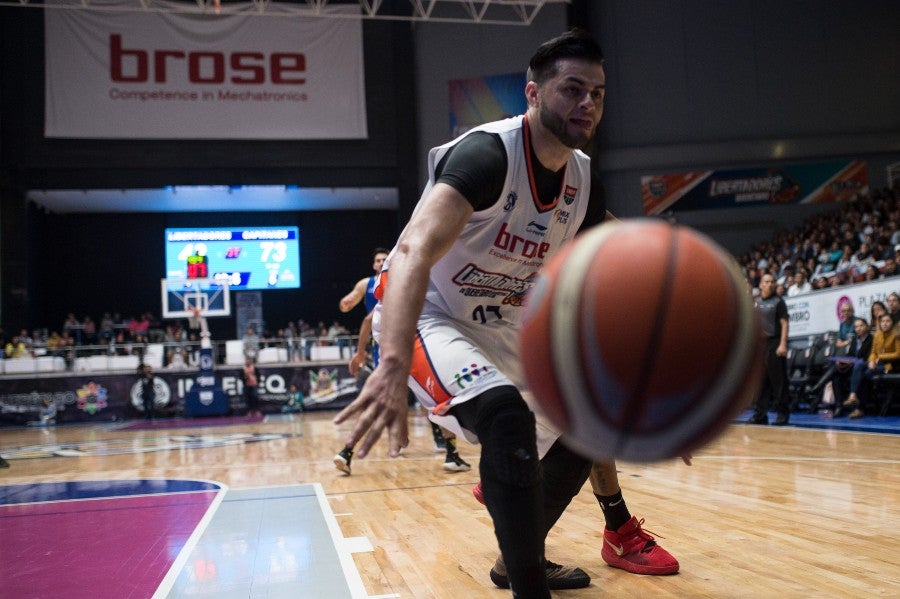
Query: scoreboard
x=245 y=258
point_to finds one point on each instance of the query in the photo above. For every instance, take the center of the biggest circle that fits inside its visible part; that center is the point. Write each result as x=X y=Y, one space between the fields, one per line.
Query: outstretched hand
x=356 y=363
x=382 y=404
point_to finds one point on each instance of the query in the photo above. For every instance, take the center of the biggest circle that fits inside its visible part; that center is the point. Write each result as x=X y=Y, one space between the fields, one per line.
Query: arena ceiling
x=478 y=12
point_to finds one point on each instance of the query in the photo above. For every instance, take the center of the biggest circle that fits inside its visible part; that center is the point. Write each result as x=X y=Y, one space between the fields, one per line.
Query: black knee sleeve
x=506 y=429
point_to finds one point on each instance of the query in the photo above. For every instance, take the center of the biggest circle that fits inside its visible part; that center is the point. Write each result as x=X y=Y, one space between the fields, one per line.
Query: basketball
x=640 y=341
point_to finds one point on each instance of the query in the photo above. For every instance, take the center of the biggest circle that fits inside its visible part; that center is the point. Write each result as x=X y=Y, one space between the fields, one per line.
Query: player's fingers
x=372 y=436
x=398 y=436
x=355 y=406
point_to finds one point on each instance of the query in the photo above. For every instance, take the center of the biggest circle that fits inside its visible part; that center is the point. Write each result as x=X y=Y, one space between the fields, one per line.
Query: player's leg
x=511 y=483
x=761 y=407
x=438 y=434
x=563 y=475
x=453 y=462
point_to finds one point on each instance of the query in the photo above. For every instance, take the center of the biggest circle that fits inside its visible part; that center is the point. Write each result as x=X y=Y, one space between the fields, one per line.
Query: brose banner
x=151 y=75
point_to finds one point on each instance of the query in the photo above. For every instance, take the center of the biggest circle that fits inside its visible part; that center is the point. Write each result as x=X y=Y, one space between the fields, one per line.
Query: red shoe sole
x=476 y=491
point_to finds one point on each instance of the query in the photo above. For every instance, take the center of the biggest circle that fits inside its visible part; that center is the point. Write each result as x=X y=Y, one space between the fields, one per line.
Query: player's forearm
x=401 y=307
x=365 y=333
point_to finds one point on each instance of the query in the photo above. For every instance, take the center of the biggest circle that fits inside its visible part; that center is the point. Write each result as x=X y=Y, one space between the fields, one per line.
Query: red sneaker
x=476 y=491
x=632 y=549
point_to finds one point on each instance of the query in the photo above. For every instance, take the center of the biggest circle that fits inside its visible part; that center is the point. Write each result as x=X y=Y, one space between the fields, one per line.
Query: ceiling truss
x=477 y=12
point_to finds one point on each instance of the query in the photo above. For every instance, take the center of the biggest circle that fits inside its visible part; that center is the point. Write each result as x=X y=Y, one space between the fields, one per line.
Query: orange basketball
x=640 y=341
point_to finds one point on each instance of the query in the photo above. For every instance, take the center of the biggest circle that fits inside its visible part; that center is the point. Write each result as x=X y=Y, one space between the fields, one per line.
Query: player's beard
x=557 y=126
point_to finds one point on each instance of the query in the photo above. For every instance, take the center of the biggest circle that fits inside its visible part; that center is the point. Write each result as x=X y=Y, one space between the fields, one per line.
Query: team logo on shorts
x=469 y=374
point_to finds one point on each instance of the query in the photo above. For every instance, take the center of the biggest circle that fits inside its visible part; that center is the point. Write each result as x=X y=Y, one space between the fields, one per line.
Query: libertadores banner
x=154 y=75
x=790 y=184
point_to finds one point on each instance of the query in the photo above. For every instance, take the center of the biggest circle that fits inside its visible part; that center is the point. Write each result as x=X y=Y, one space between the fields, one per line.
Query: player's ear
x=531 y=93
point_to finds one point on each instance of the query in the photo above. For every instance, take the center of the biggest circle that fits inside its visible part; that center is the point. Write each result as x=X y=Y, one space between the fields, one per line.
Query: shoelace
x=649 y=535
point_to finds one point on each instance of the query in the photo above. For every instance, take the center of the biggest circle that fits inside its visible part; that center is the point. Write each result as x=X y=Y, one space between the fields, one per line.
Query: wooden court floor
x=763 y=511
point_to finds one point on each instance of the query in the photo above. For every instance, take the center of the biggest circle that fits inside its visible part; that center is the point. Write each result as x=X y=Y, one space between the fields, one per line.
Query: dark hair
x=380 y=250
x=575 y=43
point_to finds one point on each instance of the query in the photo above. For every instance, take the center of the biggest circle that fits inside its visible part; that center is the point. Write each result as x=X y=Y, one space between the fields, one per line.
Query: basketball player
x=364 y=290
x=500 y=201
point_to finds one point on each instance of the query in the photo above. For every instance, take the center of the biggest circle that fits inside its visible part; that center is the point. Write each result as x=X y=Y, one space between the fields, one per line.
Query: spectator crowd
x=858 y=241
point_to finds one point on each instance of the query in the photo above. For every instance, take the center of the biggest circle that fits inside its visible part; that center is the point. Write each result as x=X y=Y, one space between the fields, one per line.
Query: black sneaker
x=3 y=463
x=558 y=577
x=342 y=460
x=454 y=463
x=781 y=420
x=758 y=420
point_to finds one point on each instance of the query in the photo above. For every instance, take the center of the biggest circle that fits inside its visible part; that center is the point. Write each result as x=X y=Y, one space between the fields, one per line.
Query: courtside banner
x=818 y=312
x=151 y=75
x=791 y=184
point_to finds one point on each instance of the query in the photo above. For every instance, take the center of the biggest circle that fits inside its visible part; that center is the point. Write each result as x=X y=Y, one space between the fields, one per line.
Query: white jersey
x=485 y=275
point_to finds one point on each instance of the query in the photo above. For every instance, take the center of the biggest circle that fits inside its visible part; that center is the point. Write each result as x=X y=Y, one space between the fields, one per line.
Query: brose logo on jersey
x=525 y=247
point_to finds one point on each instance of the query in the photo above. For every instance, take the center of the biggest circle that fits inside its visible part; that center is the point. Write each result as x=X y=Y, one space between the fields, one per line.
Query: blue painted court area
x=868 y=424
x=173 y=538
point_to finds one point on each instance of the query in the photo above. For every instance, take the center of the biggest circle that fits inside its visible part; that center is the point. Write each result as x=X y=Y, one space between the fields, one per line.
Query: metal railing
x=176 y=355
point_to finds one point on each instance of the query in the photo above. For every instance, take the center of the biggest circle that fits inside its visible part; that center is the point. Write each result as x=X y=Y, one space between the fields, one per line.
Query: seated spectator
x=878 y=308
x=90 y=330
x=884 y=357
x=870 y=274
x=71 y=323
x=16 y=348
x=846 y=326
x=857 y=348
x=176 y=360
x=251 y=343
x=893 y=306
x=862 y=258
x=48 y=412
x=132 y=327
x=107 y=328
x=295 y=400
x=820 y=282
x=889 y=269
x=845 y=262
x=801 y=285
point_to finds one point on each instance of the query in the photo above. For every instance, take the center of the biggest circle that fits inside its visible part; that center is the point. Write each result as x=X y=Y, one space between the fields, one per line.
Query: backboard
x=181 y=296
